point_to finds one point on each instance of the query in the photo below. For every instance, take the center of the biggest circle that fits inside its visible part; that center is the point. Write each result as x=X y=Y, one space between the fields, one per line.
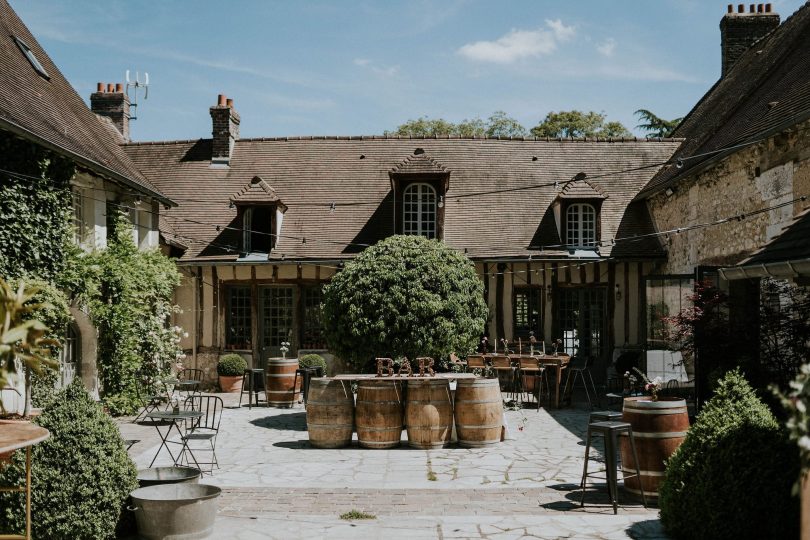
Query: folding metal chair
x=150 y=401
x=190 y=381
x=205 y=428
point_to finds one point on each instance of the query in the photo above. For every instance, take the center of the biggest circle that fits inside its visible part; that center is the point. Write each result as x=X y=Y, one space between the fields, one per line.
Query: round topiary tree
x=312 y=361
x=405 y=296
x=733 y=474
x=82 y=473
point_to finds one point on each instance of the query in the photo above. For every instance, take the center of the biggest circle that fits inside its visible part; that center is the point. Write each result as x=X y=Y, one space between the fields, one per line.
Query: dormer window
x=419 y=210
x=419 y=185
x=257 y=229
x=580 y=226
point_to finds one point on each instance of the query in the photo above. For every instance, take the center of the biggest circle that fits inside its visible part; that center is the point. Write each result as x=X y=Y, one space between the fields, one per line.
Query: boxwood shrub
x=312 y=361
x=81 y=474
x=231 y=365
x=733 y=474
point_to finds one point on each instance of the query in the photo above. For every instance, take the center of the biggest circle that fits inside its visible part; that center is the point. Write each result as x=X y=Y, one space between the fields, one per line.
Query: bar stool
x=530 y=367
x=605 y=416
x=252 y=383
x=306 y=374
x=610 y=431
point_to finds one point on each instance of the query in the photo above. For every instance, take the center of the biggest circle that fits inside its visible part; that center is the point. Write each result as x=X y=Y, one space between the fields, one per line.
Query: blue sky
x=361 y=67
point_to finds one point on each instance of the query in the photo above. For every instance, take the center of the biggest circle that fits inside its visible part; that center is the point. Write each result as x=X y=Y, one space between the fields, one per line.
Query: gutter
x=782 y=270
x=89 y=163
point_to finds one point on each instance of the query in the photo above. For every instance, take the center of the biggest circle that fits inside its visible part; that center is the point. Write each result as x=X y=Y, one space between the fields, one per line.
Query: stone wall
x=763 y=175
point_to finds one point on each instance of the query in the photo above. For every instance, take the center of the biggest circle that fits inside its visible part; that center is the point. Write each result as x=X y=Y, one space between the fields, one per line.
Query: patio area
x=275 y=485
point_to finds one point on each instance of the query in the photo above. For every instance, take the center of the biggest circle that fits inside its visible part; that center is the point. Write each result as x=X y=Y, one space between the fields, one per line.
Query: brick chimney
x=740 y=29
x=111 y=101
x=226 y=130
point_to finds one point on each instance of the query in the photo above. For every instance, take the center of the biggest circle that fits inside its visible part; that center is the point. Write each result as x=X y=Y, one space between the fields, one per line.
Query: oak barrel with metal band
x=429 y=413
x=282 y=389
x=478 y=412
x=330 y=413
x=659 y=428
x=378 y=413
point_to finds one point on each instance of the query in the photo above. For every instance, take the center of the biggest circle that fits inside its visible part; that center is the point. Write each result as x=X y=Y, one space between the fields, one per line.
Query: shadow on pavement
x=296 y=421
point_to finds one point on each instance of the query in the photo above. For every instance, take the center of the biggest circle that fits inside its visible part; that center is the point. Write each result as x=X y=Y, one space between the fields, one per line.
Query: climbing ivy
x=35 y=209
x=128 y=294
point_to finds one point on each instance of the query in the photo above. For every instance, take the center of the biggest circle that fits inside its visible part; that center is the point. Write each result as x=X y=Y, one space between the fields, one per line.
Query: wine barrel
x=659 y=428
x=282 y=389
x=479 y=412
x=429 y=413
x=378 y=415
x=330 y=413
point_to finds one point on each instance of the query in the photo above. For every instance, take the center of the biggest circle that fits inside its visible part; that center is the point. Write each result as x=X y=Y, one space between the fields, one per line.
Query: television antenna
x=135 y=85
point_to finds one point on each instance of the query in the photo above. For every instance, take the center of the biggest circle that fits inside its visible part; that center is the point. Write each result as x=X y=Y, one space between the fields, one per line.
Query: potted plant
x=231 y=370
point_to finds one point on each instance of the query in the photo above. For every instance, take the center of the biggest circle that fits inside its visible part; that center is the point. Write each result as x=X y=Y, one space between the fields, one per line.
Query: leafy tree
x=500 y=125
x=405 y=296
x=497 y=125
x=655 y=126
x=575 y=123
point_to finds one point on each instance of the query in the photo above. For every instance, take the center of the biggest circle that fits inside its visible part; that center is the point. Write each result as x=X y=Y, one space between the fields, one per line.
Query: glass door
x=276 y=320
x=582 y=321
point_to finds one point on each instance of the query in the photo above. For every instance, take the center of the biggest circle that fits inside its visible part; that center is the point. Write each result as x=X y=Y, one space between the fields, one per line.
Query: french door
x=277 y=320
x=582 y=321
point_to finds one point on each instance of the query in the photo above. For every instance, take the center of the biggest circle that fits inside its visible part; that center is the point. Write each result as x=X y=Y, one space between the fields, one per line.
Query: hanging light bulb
x=441 y=201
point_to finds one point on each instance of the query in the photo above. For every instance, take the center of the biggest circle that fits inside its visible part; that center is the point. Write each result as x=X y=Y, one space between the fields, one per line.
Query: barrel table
x=378 y=414
x=282 y=390
x=330 y=413
x=659 y=428
x=478 y=412
x=429 y=413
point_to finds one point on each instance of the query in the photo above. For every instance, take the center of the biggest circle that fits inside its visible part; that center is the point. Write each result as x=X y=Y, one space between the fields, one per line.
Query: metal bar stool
x=306 y=374
x=252 y=383
x=610 y=431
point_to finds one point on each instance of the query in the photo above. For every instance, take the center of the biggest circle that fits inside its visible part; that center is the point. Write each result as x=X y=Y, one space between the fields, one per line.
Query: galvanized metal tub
x=168 y=475
x=175 y=511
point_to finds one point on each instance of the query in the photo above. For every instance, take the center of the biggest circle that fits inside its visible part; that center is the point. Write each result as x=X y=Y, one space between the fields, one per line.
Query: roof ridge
x=453 y=137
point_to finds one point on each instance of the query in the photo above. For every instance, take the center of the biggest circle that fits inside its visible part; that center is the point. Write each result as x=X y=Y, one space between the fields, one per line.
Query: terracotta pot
x=231 y=383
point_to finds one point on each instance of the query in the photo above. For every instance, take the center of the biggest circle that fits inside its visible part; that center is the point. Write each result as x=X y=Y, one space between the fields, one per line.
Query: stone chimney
x=110 y=101
x=740 y=29
x=226 y=130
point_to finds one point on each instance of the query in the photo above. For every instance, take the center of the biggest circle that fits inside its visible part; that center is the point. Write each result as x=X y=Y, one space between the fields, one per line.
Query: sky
x=358 y=67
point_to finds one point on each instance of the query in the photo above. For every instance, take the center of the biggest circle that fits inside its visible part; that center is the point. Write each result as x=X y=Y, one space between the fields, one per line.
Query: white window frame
x=79 y=223
x=422 y=204
x=580 y=226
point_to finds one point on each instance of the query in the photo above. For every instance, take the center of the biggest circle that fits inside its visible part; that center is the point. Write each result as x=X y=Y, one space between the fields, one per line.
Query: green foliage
x=231 y=365
x=35 y=210
x=312 y=361
x=565 y=124
x=357 y=514
x=732 y=476
x=82 y=473
x=655 y=126
x=497 y=125
x=128 y=293
x=405 y=296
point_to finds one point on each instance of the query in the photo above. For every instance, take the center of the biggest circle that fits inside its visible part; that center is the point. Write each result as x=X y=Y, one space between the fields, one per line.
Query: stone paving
x=277 y=486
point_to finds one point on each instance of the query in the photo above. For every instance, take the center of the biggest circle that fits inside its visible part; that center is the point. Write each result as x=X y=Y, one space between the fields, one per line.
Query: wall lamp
x=618 y=293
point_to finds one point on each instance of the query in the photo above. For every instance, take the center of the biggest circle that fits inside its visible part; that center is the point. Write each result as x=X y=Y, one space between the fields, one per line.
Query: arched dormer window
x=580 y=226
x=419 y=210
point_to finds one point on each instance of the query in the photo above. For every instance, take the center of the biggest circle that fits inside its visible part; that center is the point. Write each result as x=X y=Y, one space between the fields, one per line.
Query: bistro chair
x=530 y=367
x=149 y=400
x=192 y=387
x=503 y=364
x=204 y=429
x=476 y=361
x=580 y=368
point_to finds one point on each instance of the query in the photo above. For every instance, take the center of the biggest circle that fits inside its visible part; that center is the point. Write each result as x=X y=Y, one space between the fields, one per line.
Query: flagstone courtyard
x=274 y=483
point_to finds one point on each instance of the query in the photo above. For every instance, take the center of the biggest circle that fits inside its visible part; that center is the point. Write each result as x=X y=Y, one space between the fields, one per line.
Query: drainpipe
x=194 y=319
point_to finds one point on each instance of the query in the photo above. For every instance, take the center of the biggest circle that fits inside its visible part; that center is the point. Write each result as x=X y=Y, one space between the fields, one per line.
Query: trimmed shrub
x=404 y=296
x=82 y=473
x=231 y=365
x=312 y=361
x=733 y=474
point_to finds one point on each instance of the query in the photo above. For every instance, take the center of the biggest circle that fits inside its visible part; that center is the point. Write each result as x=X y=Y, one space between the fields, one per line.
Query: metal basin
x=175 y=511
x=168 y=475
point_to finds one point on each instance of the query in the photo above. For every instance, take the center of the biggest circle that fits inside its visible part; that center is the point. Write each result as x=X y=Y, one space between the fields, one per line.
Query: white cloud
x=607 y=48
x=519 y=44
x=383 y=71
x=361 y=61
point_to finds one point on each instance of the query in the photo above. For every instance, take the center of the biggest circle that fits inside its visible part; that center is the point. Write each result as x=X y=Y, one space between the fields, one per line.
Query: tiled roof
x=339 y=198
x=257 y=191
x=767 y=90
x=48 y=111
x=419 y=163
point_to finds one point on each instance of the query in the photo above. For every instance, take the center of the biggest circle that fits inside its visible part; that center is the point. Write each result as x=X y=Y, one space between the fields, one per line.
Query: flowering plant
x=557 y=343
x=650 y=386
x=285 y=347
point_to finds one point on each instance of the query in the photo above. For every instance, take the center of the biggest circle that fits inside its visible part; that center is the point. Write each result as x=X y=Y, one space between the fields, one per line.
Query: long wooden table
x=372 y=376
x=559 y=363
